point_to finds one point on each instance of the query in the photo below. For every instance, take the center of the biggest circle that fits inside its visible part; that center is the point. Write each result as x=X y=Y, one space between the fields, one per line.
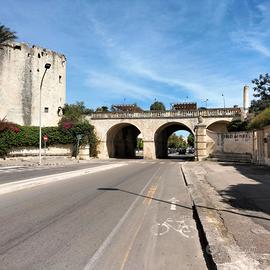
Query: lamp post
x=206 y=103
x=47 y=66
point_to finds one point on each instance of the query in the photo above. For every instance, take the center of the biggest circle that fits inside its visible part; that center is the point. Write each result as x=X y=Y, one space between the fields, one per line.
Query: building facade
x=21 y=71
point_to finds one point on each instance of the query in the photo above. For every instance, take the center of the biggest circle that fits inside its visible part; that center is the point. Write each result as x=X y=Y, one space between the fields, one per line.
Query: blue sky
x=139 y=51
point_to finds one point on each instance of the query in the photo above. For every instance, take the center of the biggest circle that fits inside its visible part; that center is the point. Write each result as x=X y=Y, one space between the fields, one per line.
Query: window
x=46 y=109
x=60 y=79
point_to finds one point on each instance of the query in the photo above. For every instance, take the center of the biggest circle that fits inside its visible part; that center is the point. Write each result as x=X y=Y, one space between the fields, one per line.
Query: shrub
x=5 y=125
x=25 y=136
x=261 y=120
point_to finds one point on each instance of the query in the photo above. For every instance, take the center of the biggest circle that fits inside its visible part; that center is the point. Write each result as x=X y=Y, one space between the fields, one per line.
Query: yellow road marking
x=130 y=246
x=147 y=201
x=150 y=195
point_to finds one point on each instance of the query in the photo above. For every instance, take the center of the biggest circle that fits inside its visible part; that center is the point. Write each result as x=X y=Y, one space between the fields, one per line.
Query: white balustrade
x=229 y=112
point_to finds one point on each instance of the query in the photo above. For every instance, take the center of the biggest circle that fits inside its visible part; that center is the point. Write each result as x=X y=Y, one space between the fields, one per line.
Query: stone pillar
x=84 y=152
x=200 y=142
x=102 y=150
x=149 y=150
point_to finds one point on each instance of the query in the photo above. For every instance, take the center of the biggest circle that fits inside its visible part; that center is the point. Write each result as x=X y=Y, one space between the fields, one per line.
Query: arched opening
x=123 y=141
x=171 y=141
x=219 y=126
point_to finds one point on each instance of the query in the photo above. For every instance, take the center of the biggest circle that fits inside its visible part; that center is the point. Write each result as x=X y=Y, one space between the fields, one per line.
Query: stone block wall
x=230 y=142
x=262 y=144
x=21 y=71
x=55 y=150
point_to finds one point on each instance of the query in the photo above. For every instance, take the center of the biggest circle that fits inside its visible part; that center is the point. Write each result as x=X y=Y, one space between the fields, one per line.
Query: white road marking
x=179 y=226
x=173 y=203
x=98 y=254
x=37 y=181
x=11 y=167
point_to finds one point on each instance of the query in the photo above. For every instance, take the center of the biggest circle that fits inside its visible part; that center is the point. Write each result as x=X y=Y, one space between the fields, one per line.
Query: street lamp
x=205 y=102
x=47 y=66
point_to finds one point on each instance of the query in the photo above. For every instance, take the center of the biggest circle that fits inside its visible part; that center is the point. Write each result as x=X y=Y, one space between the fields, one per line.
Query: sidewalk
x=233 y=203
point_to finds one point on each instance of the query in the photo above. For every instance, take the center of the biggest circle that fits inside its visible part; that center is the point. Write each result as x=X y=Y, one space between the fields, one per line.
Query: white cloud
x=114 y=85
x=159 y=52
x=255 y=33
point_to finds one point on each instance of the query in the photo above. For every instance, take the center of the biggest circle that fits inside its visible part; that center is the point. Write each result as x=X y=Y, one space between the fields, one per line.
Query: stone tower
x=246 y=99
x=21 y=70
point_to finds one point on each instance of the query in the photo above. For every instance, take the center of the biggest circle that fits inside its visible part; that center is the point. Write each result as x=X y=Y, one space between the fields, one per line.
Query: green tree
x=262 y=93
x=237 y=125
x=175 y=141
x=139 y=143
x=74 y=113
x=102 y=109
x=6 y=35
x=190 y=140
x=157 y=106
x=74 y=123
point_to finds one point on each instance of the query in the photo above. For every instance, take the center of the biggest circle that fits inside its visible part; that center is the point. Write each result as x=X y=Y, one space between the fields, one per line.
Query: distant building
x=185 y=106
x=126 y=108
x=21 y=70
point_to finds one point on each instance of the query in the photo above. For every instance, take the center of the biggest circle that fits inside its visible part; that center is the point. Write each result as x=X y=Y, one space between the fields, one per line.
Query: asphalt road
x=14 y=173
x=138 y=216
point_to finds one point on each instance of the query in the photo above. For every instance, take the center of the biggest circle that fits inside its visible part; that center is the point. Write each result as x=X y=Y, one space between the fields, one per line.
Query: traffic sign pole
x=45 y=139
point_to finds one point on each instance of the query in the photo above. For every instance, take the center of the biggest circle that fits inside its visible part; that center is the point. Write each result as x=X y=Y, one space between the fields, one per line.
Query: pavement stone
x=232 y=201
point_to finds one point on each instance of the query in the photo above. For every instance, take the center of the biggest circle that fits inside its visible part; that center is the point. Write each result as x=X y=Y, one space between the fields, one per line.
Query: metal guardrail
x=228 y=112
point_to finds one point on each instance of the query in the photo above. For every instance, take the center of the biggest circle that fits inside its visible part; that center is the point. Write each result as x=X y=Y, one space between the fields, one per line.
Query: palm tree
x=6 y=35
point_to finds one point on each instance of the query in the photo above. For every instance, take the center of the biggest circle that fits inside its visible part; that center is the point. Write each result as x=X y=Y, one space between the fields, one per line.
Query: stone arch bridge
x=117 y=131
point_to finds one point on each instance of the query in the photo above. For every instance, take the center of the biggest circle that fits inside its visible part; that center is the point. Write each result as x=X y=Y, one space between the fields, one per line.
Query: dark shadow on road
x=183 y=206
x=143 y=196
x=253 y=196
x=188 y=157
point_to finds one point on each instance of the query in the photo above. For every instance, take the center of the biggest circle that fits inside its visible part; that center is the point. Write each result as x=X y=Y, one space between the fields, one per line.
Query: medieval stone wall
x=21 y=71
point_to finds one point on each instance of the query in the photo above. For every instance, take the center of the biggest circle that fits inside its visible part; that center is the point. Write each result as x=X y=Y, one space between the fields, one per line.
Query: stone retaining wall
x=56 y=150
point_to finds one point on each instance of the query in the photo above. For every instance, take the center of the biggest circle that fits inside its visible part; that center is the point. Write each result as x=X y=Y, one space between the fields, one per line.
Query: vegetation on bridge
x=261 y=120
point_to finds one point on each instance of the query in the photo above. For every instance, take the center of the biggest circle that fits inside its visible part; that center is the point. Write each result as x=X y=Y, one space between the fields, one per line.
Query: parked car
x=182 y=151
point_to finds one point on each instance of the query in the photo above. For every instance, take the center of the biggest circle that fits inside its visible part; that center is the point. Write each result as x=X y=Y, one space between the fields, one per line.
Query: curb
x=38 y=181
x=221 y=246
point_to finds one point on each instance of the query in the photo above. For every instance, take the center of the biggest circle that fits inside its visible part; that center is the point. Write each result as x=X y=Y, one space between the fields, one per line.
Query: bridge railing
x=219 y=112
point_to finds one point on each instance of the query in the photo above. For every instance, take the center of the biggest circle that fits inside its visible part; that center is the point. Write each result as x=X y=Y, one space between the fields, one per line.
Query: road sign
x=45 y=138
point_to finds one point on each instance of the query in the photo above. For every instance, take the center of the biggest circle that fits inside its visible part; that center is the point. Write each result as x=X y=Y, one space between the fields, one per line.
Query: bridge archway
x=122 y=140
x=163 y=133
x=219 y=126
